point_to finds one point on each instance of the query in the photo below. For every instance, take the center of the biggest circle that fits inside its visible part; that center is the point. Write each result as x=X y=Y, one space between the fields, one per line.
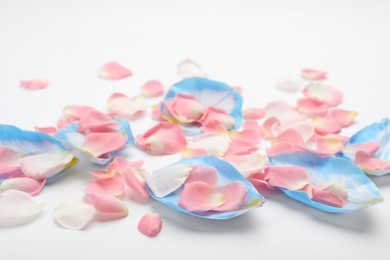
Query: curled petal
x=189 y=68
x=253 y=113
x=289 y=84
x=152 y=88
x=213 y=115
x=248 y=164
x=240 y=148
x=74 y=215
x=323 y=94
x=126 y=107
x=203 y=173
x=28 y=185
x=235 y=194
x=311 y=74
x=150 y=224
x=325 y=125
x=271 y=127
x=114 y=71
x=312 y=108
x=18 y=207
x=291 y=178
x=109 y=207
x=164 y=138
x=134 y=180
x=343 y=117
x=34 y=84
x=109 y=186
x=332 y=194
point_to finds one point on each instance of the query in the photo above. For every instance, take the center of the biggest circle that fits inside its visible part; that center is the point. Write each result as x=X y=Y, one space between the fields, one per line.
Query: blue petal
x=226 y=174
x=362 y=192
x=75 y=140
x=211 y=93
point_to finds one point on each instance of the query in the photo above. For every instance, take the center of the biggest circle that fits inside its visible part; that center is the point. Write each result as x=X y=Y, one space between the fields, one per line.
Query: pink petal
x=213 y=115
x=189 y=68
x=253 y=113
x=164 y=138
x=368 y=147
x=271 y=127
x=198 y=196
x=323 y=94
x=248 y=164
x=102 y=174
x=76 y=112
x=324 y=125
x=284 y=112
x=185 y=108
x=114 y=71
x=332 y=194
x=240 y=148
x=305 y=128
x=235 y=194
x=28 y=185
x=279 y=148
x=64 y=121
x=312 y=108
x=289 y=136
x=150 y=224
x=250 y=136
x=343 y=117
x=95 y=121
x=126 y=107
x=34 y=84
x=203 y=173
x=9 y=163
x=152 y=88
x=213 y=144
x=365 y=161
x=156 y=115
x=99 y=144
x=48 y=130
x=109 y=207
x=291 y=178
x=135 y=182
x=330 y=144
x=109 y=186
x=310 y=74
x=214 y=127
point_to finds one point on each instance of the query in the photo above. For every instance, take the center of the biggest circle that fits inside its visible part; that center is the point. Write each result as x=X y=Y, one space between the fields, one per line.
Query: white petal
x=214 y=144
x=188 y=68
x=289 y=84
x=167 y=180
x=74 y=215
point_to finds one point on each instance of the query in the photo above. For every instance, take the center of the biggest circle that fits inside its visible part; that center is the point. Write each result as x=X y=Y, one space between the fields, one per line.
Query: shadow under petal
x=381 y=181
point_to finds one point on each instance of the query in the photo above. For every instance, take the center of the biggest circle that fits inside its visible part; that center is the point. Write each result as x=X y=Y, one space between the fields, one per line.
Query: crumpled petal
x=34 y=84
x=289 y=84
x=234 y=194
x=126 y=107
x=291 y=178
x=323 y=94
x=203 y=173
x=109 y=186
x=28 y=185
x=189 y=68
x=164 y=138
x=18 y=207
x=150 y=224
x=108 y=207
x=361 y=191
x=253 y=113
x=152 y=88
x=114 y=71
x=227 y=174
x=311 y=74
x=74 y=215
x=344 y=117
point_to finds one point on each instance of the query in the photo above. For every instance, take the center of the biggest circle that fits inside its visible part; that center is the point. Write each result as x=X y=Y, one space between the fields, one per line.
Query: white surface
x=245 y=43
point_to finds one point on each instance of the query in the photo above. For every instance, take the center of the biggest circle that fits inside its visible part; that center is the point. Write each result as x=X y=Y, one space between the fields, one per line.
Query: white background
x=245 y=43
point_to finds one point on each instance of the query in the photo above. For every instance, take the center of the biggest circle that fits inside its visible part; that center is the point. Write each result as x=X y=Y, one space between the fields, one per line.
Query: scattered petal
x=28 y=185
x=34 y=84
x=100 y=144
x=214 y=115
x=332 y=194
x=312 y=108
x=96 y=121
x=203 y=173
x=114 y=71
x=211 y=143
x=189 y=68
x=109 y=186
x=343 y=117
x=126 y=107
x=323 y=94
x=235 y=194
x=134 y=180
x=253 y=113
x=108 y=207
x=310 y=74
x=152 y=88
x=324 y=125
x=248 y=164
x=74 y=215
x=291 y=178
x=150 y=224
x=185 y=108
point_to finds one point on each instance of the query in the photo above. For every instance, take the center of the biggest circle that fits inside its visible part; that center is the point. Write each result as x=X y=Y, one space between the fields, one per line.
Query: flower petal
x=114 y=71
x=189 y=68
x=28 y=185
x=126 y=107
x=185 y=108
x=343 y=117
x=323 y=94
x=152 y=88
x=289 y=84
x=203 y=173
x=312 y=108
x=311 y=74
x=248 y=164
x=332 y=194
x=9 y=163
x=134 y=180
x=48 y=130
x=212 y=115
x=198 y=196
x=289 y=136
x=34 y=84
x=109 y=186
x=253 y=113
x=108 y=207
x=213 y=144
x=291 y=178
x=325 y=125
x=99 y=144
x=76 y=112
x=330 y=144
x=150 y=224
x=284 y=112
x=96 y=121
x=74 y=215
x=250 y=136
x=18 y=207
x=235 y=194
x=164 y=138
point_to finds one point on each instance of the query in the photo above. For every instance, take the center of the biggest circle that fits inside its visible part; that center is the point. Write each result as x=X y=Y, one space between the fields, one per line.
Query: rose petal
x=343 y=117
x=323 y=94
x=289 y=84
x=312 y=108
x=271 y=128
x=18 y=207
x=74 y=215
x=198 y=196
x=126 y=107
x=247 y=164
x=185 y=108
x=284 y=112
x=164 y=138
x=250 y=136
x=330 y=144
x=188 y=69
x=325 y=125
x=203 y=173
x=240 y=148
x=150 y=224
x=34 y=84
x=9 y=163
x=213 y=114
x=291 y=178
x=114 y=71
x=332 y=194
x=253 y=113
x=108 y=207
x=311 y=74
x=48 y=130
x=235 y=194
x=109 y=186
x=136 y=182
x=213 y=144
x=99 y=144
x=289 y=136
x=76 y=112
x=370 y=148
x=279 y=148
x=152 y=88
x=28 y=185
x=95 y=121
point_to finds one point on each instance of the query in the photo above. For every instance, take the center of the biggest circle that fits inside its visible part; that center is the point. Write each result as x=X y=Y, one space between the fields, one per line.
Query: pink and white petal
x=311 y=74
x=189 y=68
x=324 y=125
x=121 y=164
x=34 y=84
x=114 y=96
x=127 y=107
x=284 y=112
x=108 y=207
x=289 y=136
x=156 y=115
x=235 y=194
x=252 y=124
x=96 y=121
x=271 y=128
x=323 y=94
x=189 y=152
x=109 y=186
x=203 y=173
x=344 y=117
x=329 y=144
x=279 y=148
x=114 y=71
x=253 y=113
x=248 y=164
x=251 y=136
x=305 y=128
x=41 y=166
x=64 y=121
x=134 y=180
x=240 y=148
x=51 y=130
x=291 y=178
x=9 y=163
x=185 y=108
x=18 y=207
x=289 y=84
x=25 y=184
x=368 y=147
x=198 y=196
x=152 y=88
x=150 y=224
x=312 y=108
x=76 y=112
x=214 y=144
x=214 y=127
x=99 y=144
x=164 y=138
x=166 y=180
x=213 y=114
x=102 y=174
x=366 y=161
x=257 y=180
x=332 y=194
x=74 y=215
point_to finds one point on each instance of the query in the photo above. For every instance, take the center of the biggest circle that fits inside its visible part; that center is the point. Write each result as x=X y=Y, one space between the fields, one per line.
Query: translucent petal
x=189 y=68
x=74 y=215
x=28 y=185
x=114 y=71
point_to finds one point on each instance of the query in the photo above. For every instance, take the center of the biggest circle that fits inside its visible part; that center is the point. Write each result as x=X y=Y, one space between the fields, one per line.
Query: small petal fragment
x=213 y=115
x=189 y=68
x=48 y=130
x=114 y=71
x=291 y=178
x=28 y=185
x=74 y=215
x=253 y=113
x=150 y=224
x=34 y=84
x=152 y=88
